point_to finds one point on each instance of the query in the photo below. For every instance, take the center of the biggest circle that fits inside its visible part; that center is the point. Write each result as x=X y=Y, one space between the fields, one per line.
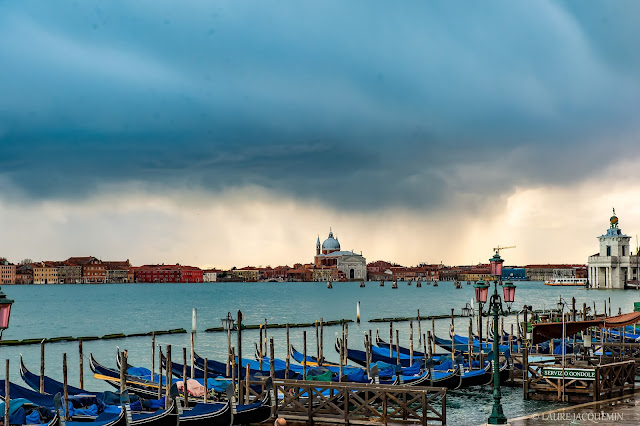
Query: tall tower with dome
x=614 y=266
x=329 y=254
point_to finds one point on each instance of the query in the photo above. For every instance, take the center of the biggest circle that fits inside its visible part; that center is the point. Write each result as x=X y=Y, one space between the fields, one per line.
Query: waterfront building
x=352 y=265
x=548 y=272
x=118 y=271
x=449 y=273
x=300 y=274
x=614 y=266
x=279 y=273
x=45 y=273
x=190 y=274
x=248 y=274
x=93 y=270
x=324 y=273
x=24 y=274
x=512 y=273
x=168 y=274
x=7 y=272
x=210 y=275
x=69 y=273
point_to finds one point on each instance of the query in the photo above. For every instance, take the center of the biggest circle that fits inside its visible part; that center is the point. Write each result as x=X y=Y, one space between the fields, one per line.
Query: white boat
x=566 y=281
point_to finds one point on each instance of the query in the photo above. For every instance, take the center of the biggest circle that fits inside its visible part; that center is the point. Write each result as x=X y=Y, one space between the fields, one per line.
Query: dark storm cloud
x=361 y=103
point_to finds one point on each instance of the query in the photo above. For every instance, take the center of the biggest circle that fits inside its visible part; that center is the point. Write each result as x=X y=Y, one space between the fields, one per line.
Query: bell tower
x=318 y=246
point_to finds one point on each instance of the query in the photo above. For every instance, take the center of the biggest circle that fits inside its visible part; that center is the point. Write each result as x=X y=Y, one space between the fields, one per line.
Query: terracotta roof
x=118 y=264
x=80 y=260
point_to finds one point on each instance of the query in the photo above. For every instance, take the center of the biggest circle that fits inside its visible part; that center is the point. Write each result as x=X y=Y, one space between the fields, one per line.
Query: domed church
x=353 y=265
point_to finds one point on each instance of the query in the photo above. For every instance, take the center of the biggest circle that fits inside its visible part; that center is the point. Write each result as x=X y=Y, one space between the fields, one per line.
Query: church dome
x=331 y=243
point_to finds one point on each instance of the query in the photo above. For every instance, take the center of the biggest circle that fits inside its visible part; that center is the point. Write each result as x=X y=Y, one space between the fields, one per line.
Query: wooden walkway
x=623 y=410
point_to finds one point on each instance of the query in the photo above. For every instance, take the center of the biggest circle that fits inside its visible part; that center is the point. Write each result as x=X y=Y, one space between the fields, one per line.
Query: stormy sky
x=232 y=133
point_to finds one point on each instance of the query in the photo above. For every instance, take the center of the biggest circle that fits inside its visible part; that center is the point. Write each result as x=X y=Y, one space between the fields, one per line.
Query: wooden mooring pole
x=228 y=373
x=65 y=386
x=341 y=359
x=81 y=364
x=453 y=344
x=192 y=355
x=234 y=371
x=304 y=356
x=397 y=346
x=264 y=343
x=390 y=339
x=247 y=375
x=260 y=353
x=321 y=359
x=184 y=377
x=288 y=366
x=153 y=357
x=419 y=330
x=366 y=349
x=159 y=373
x=239 y=353
x=7 y=396
x=410 y=342
x=346 y=341
x=41 y=367
x=169 y=375
x=272 y=367
x=123 y=371
x=206 y=374
x=317 y=342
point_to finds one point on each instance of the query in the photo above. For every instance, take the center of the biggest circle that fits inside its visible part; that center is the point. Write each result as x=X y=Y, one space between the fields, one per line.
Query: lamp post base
x=497 y=416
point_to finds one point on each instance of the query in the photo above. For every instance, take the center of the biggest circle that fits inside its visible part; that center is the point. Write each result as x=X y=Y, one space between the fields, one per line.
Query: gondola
x=360 y=357
x=45 y=402
x=109 y=419
x=81 y=397
x=220 y=368
x=298 y=357
x=199 y=414
x=256 y=412
x=51 y=386
x=136 y=385
x=463 y=347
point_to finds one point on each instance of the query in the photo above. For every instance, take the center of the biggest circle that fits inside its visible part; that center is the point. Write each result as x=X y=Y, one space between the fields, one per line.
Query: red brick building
x=93 y=270
x=168 y=274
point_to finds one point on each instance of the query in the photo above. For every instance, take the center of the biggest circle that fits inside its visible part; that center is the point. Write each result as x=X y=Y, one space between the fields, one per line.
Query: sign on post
x=569 y=373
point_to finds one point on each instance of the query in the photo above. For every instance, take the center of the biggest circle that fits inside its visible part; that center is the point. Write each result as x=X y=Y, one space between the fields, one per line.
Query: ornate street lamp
x=509 y=292
x=228 y=324
x=496 y=265
x=5 y=312
x=561 y=304
x=495 y=308
x=481 y=289
x=466 y=310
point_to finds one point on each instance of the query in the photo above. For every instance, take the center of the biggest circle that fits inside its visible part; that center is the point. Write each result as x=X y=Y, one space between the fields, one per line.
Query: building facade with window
x=614 y=266
x=7 y=272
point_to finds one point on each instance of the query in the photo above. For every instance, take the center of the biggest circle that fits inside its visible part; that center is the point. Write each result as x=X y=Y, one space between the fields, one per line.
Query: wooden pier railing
x=350 y=403
x=582 y=383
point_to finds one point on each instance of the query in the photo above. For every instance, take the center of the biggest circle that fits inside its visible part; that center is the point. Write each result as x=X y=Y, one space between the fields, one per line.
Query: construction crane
x=497 y=249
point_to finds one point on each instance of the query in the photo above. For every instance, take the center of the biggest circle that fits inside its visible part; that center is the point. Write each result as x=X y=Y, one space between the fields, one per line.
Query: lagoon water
x=44 y=311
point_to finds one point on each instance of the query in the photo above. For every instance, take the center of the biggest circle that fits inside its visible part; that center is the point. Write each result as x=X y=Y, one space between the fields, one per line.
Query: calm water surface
x=96 y=310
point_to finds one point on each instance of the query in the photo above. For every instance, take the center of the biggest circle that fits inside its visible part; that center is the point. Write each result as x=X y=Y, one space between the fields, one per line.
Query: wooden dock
x=582 y=382
x=309 y=402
